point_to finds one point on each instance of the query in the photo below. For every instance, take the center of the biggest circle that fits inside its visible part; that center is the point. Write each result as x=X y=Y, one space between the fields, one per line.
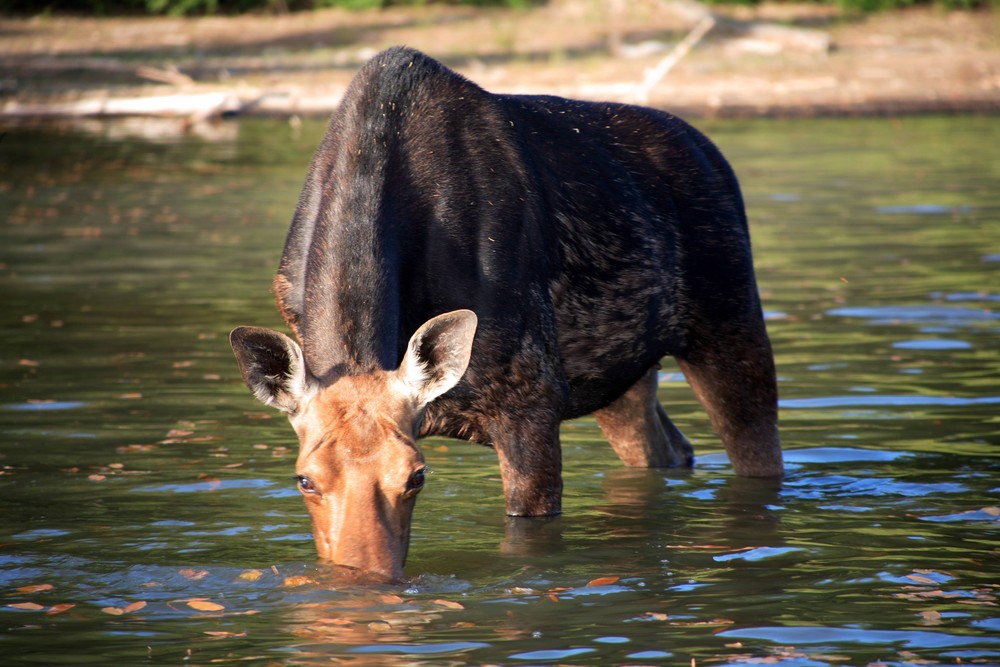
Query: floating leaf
x=114 y=611
x=656 y=616
x=134 y=606
x=714 y=621
x=204 y=605
x=60 y=608
x=603 y=581
x=27 y=606
x=390 y=599
x=136 y=448
x=35 y=588
x=297 y=580
x=223 y=633
x=448 y=604
x=930 y=617
x=250 y=575
x=192 y=574
x=96 y=478
x=213 y=482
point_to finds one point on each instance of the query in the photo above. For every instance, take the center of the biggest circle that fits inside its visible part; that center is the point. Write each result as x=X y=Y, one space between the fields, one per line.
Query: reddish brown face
x=359 y=472
x=359 y=469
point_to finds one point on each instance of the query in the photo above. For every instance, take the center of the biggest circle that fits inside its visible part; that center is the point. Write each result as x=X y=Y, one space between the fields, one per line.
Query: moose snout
x=364 y=539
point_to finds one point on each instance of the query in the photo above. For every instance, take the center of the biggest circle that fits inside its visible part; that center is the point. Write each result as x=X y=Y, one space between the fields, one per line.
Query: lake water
x=149 y=514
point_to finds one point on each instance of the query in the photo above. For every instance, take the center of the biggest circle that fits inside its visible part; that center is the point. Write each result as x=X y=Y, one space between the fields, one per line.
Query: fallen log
x=196 y=106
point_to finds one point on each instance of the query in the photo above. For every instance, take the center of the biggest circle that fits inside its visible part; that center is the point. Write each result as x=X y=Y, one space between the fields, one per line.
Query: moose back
x=483 y=266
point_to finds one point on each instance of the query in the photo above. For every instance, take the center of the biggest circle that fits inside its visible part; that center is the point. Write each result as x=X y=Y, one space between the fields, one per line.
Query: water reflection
x=532 y=536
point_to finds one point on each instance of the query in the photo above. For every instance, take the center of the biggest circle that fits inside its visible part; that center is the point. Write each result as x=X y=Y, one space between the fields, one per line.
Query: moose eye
x=416 y=481
x=305 y=484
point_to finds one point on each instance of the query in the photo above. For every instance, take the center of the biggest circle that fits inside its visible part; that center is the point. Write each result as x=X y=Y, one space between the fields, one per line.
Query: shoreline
x=772 y=61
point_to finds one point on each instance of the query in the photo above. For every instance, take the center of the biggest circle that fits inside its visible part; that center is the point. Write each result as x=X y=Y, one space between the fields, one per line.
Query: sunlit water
x=148 y=510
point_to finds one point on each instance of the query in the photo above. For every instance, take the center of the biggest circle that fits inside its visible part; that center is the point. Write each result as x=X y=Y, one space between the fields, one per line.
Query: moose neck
x=351 y=322
x=358 y=217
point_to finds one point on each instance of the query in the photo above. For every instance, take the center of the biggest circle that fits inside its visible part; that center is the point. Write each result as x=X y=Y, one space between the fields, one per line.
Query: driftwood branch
x=656 y=74
x=704 y=20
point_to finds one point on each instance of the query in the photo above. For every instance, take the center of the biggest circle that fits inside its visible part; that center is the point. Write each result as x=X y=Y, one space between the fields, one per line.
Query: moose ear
x=437 y=355
x=271 y=365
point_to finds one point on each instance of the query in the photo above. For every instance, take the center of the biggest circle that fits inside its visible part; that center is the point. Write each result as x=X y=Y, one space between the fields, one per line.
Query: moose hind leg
x=733 y=378
x=640 y=431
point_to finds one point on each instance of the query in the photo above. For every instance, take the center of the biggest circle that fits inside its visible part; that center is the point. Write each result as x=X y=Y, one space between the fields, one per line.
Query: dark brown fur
x=589 y=239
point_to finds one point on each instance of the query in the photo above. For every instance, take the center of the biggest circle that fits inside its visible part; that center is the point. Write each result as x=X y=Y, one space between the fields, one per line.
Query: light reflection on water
x=149 y=514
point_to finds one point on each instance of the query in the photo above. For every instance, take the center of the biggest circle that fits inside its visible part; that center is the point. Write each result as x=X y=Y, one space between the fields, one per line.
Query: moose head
x=359 y=469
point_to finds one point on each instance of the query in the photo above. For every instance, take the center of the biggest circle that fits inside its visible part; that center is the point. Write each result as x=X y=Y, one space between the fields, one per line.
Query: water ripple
x=844 y=486
x=420 y=649
x=897 y=314
x=552 y=654
x=833 y=636
x=868 y=401
x=44 y=406
x=932 y=344
x=922 y=209
x=759 y=553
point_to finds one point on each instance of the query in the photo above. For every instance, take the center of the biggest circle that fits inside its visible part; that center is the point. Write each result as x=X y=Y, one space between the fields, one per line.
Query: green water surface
x=140 y=481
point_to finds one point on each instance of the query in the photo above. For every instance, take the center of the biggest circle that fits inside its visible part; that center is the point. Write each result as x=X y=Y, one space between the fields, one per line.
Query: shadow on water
x=150 y=513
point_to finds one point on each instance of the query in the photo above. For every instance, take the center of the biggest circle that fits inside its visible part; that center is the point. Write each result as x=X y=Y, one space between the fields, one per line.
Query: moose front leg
x=530 y=466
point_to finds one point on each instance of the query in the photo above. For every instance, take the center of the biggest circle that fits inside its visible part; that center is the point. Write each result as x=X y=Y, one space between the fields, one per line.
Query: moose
x=484 y=266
